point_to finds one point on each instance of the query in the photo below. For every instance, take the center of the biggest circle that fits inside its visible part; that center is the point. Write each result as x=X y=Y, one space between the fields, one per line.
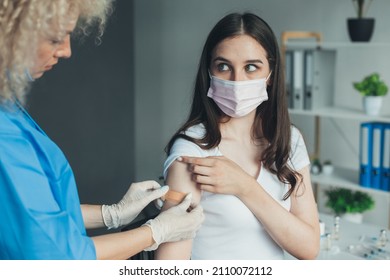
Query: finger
x=208 y=188
x=152 y=185
x=197 y=160
x=198 y=211
x=201 y=170
x=185 y=204
x=158 y=193
x=153 y=195
x=200 y=179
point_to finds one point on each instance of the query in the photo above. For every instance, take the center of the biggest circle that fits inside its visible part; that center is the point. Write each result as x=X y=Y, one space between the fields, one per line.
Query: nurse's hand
x=218 y=174
x=135 y=200
x=175 y=224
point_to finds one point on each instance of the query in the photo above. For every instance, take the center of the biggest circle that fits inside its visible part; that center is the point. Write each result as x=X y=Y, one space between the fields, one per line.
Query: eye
x=251 y=68
x=223 y=67
x=56 y=41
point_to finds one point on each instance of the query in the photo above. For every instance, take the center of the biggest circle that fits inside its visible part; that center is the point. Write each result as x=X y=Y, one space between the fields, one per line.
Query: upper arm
x=178 y=179
x=177 y=174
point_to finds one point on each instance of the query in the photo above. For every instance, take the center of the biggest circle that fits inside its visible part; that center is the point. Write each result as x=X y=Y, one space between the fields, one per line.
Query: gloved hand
x=136 y=198
x=176 y=223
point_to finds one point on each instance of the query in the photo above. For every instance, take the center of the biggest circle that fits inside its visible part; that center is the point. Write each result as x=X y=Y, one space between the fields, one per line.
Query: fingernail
x=179 y=159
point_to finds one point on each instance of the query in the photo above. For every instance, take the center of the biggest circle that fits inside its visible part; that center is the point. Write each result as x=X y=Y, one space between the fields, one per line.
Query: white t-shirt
x=230 y=230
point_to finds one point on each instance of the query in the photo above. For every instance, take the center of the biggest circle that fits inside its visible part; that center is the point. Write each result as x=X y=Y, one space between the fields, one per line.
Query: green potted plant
x=349 y=204
x=372 y=88
x=360 y=28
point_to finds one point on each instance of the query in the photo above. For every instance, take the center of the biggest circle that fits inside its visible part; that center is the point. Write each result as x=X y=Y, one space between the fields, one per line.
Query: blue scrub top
x=40 y=214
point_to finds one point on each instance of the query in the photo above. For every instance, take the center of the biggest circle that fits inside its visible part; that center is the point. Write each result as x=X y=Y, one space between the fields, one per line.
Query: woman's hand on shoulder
x=218 y=174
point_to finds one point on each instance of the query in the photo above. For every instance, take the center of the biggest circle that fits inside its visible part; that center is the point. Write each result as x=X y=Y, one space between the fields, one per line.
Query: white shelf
x=299 y=44
x=341 y=113
x=344 y=178
x=334 y=60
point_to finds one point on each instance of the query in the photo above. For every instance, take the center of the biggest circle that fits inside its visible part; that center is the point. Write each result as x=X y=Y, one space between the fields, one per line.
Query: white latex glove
x=176 y=223
x=138 y=196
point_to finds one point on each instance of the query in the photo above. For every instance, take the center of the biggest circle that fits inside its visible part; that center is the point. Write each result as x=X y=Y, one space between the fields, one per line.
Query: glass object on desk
x=368 y=251
x=328 y=242
x=369 y=248
x=336 y=228
x=382 y=238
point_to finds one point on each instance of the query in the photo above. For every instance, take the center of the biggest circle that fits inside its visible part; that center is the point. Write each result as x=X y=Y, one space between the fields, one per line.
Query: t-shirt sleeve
x=181 y=147
x=33 y=224
x=299 y=157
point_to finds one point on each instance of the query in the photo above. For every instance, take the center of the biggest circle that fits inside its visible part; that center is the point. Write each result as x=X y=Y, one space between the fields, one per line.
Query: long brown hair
x=276 y=129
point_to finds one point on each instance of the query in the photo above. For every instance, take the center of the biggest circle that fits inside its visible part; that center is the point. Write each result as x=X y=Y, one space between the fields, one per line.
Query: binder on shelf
x=297 y=84
x=324 y=65
x=313 y=78
x=377 y=147
x=365 y=154
x=308 y=79
x=385 y=182
x=288 y=73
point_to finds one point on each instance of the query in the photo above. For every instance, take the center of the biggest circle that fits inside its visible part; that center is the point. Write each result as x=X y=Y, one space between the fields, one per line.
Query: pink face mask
x=238 y=98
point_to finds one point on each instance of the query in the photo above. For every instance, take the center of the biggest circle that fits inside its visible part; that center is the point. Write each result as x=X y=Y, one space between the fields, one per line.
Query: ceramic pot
x=327 y=169
x=360 y=29
x=353 y=217
x=372 y=105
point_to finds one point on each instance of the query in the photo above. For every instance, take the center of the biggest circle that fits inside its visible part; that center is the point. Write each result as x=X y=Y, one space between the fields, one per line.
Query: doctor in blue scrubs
x=40 y=212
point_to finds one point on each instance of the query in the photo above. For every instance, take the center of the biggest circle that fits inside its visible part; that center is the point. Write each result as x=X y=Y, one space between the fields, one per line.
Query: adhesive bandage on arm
x=172 y=196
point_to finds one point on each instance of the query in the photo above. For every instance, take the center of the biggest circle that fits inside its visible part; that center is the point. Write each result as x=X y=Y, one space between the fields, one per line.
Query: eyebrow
x=247 y=61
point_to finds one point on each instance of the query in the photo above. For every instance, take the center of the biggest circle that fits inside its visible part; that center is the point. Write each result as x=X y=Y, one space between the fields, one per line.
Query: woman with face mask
x=40 y=212
x=240 y=156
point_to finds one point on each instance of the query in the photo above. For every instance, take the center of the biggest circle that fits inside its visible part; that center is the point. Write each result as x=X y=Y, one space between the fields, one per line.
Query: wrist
x=149 y=234
x=249 y=186
x=110 y=216
x=152 y=241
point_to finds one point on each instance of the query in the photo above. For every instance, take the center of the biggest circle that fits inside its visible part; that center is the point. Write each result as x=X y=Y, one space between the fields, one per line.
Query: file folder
x=376 y=172
x=365 y=154
x=289 y=78
x=298 y=79
x=385 y=184
x=308 y=79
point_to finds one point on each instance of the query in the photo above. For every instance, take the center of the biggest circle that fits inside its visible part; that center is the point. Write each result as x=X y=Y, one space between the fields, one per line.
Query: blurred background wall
x=113 y=107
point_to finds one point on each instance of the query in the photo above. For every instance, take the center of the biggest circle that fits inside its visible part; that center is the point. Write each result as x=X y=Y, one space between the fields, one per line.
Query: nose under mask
x=238 y=98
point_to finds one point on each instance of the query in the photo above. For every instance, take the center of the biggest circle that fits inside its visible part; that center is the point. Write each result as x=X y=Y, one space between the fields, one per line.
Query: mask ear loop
x=269 y=75
x=210 y=76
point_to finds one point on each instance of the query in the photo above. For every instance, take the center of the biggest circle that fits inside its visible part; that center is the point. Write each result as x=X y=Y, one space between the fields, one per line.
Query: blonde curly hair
x=22 y=22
